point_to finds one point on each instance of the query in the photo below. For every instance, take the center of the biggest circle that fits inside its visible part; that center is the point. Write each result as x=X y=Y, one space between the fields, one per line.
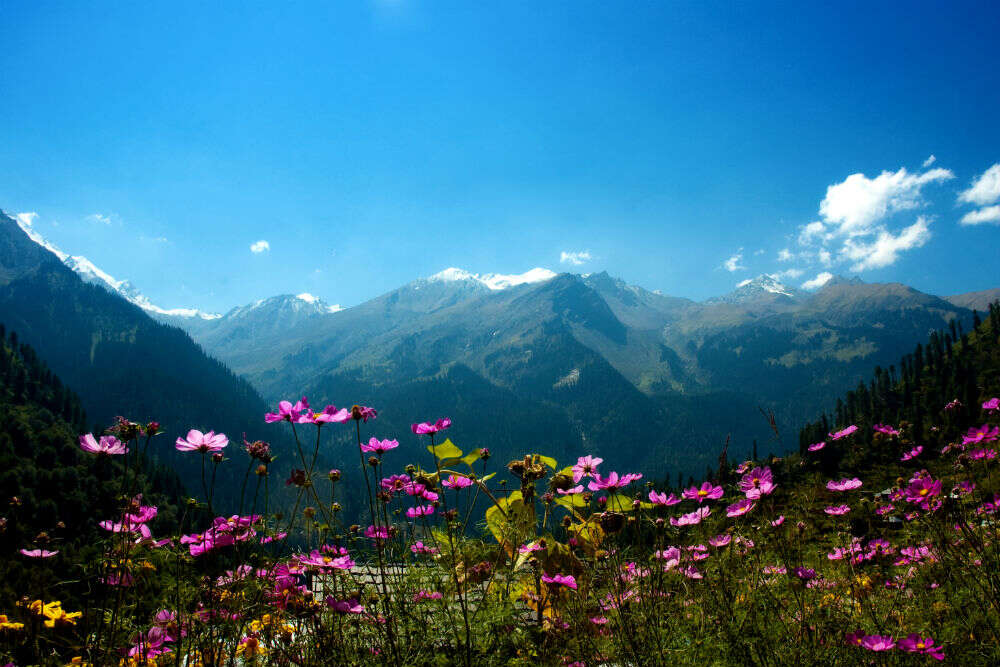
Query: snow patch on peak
x=307 y=297
x=316 y=301
x=91 y=273
x=494 y=281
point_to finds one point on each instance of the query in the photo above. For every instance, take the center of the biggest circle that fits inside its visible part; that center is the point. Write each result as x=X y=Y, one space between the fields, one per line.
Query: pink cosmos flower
x=740 y=507
x=691 y=518
x=205 y=443
x=662 y=499
x=757 y=483
x=350 y=606
x=671 y=557
x=427 y=595
x=878 y=643
x=922 y=489
x=982 y=434
x=420 y=549
x=529 y=548
x=364 y=413
x=108 y=444
x=720 y=540
x=777 y=522
x=964 y=488
x=380 y=447
x=913 y=453
x=330 y=414
x=816 y=446
x=457 y=482
x=914 y=643
x=613 y=482
x=953 y=405
x=585 y=465
x=691 y=572
x=425 y=428
x=804 y=573
x=885 y=430
x=571 y=492
x=396 y=483
x=287 y=412
x=557 y=580
x=992 y=405
x=377 y=532
x=420 y=510
x=837 y=510
x=38 y=553
x=743 y=467
x=983 y=454
x=707 y=491
x=774 y=569
x=882 y=510
x=843 y=433
x=844 y=484
x=325 y=563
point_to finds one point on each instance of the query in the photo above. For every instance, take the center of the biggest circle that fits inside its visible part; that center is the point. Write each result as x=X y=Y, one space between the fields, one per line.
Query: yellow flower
x=78 y=662
x=36 y=607
x=250 y=647
x=57 y=617
x=7 y=624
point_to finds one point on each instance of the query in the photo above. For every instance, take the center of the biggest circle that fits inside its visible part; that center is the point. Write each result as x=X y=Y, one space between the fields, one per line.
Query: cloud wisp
x=259 y=247
x=574 y=257
x=733 y=263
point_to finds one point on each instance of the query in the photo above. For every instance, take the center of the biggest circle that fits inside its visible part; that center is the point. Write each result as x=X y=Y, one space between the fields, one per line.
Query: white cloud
x=790 y=274
x=785 y=255
x=824 y=257
x=259 y=247
x=761 y=251
x=743 y=283
x=817 y=282
x=929 y=161
x=885 y=249
x=986 y=214
x=985 y=189
x=27 y=218
x=811 y=232
x=857 y=203
x=733 y=263
x=99 y=217
x=576 y=258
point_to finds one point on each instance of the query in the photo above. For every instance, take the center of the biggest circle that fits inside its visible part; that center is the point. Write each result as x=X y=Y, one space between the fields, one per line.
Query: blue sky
x=372 y=143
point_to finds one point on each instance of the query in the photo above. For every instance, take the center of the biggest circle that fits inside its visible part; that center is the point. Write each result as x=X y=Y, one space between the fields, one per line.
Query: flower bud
x=261 y=470
x=217 y=458
x=309 y=512
x=334 y=475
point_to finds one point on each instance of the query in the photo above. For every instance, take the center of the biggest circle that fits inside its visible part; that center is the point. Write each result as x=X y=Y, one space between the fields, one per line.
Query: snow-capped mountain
x=764 y=287
x=91 y=273
x=493 y=281
x=291 y=304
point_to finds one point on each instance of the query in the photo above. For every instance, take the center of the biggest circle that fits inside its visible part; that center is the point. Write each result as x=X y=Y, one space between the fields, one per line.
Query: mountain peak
x=91 y=273
x=764 y=287
x=493 y=281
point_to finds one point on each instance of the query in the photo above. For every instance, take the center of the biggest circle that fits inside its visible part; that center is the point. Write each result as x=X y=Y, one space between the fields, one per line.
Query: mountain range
x=568 y=364
x=118 y=359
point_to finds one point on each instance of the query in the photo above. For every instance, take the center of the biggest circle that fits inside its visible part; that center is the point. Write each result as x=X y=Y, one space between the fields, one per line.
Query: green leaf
x=548 y=460
x=569 y=502
x=472 y=456
x=619 y=503
x=446 y=450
